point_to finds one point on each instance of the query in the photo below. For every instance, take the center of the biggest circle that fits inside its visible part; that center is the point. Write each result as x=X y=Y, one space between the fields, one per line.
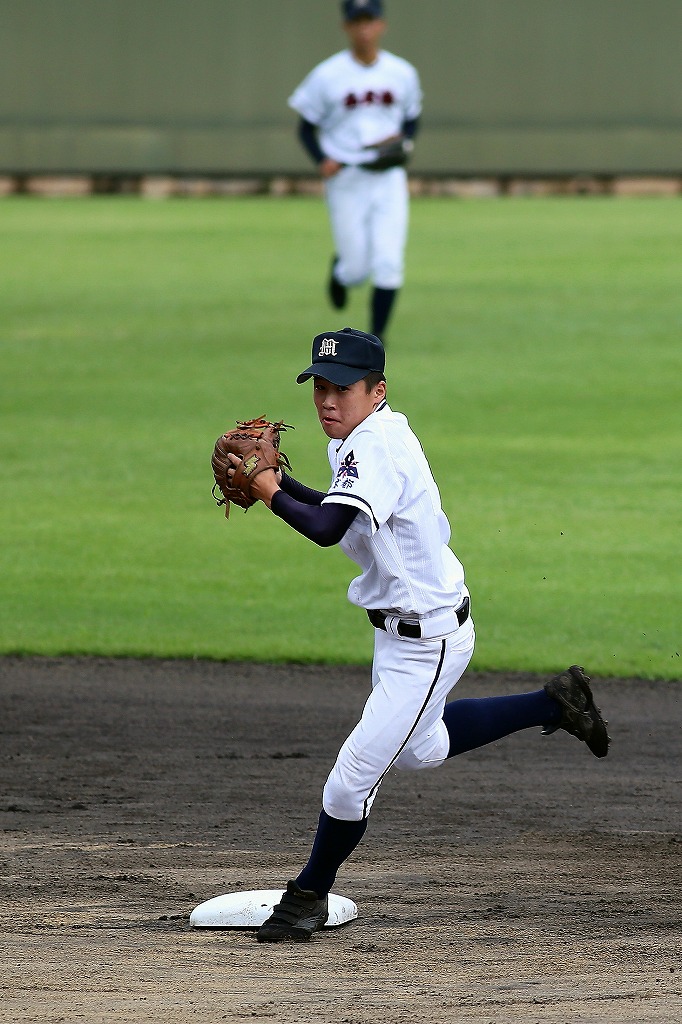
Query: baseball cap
x=344 y=357
x=356 y=8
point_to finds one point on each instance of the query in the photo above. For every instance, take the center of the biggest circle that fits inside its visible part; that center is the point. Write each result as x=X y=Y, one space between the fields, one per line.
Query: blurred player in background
x=348 y=105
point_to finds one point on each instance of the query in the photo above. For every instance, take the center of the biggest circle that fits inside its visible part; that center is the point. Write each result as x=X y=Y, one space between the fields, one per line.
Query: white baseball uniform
x=400 y=541
x=354 y=107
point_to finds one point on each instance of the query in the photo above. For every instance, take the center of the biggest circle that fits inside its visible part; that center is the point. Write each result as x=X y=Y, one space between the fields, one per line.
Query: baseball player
x=383 y=508
x=350 y=106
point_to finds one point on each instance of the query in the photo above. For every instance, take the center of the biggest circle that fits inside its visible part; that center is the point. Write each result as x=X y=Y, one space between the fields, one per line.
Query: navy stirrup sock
x=474 y=722
x=334 y=843
x=470 y=723
x=382 y=304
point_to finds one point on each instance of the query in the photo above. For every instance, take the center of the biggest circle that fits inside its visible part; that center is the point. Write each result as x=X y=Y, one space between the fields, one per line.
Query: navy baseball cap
x=357 y=8
x=344 y=357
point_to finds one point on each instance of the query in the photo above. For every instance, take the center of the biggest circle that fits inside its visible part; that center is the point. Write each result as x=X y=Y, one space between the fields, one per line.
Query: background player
x=383 y=508
x=348 y=104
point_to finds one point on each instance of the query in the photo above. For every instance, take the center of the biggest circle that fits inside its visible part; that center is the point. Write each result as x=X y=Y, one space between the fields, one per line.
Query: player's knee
x=409 y=762
x=352 y=273
x=343 y=804
x=388 y=275
x=428 y=751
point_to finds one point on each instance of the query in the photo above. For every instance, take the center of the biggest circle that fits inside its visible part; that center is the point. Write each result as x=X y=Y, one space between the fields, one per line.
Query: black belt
x=412 y=629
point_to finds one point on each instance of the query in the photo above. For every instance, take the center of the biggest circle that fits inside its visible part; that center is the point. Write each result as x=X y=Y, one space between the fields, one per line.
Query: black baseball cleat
x=338 y=293
x=579 y=714
x=299 y=913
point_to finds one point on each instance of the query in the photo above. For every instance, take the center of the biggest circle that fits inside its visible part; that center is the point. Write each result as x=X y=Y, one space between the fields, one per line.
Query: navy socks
x=470 y=723
x=382 y=304
x=334 y=843
x=474 y=722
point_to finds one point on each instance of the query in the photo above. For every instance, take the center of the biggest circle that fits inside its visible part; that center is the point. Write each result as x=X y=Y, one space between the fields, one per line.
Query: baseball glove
x=256 y=443
x=392 y=152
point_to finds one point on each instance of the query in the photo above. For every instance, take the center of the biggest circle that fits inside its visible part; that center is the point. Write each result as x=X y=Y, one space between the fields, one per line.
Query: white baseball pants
x=369 y=216
x=401 y=725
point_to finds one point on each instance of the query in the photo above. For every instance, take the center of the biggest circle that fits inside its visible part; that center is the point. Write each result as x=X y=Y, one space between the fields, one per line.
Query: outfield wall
x=200 y=86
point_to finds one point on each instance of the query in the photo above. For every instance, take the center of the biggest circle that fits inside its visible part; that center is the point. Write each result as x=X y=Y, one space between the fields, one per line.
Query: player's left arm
x=412 y=107
x=410 y=127
x=266 y=488
x=325 y=524
x=301 y=507
x=308 y=495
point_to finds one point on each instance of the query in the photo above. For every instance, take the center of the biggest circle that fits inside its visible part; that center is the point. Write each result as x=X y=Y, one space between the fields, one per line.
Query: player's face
x=340 y=409
x=364 y=35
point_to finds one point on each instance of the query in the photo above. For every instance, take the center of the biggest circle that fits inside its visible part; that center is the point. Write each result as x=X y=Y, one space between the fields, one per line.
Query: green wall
x=200 y=86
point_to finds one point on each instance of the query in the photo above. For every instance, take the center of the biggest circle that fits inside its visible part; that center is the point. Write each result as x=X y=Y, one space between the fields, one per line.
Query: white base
x=250 y=909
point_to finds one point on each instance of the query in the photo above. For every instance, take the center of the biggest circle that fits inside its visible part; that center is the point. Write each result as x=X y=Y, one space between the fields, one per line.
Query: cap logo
x=327 y=347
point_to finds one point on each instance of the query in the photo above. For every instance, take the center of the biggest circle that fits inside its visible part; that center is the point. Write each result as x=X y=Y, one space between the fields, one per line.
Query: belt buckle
x=411 y=630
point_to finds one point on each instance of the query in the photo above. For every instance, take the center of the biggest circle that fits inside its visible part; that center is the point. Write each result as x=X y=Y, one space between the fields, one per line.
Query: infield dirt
x=524 y=882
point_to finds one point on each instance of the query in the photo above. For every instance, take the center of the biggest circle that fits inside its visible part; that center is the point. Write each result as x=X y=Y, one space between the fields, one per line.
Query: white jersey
x=400 y=538
x=355 y=106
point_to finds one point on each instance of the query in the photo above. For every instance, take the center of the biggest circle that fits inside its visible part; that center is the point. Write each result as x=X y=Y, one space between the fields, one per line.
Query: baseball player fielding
x=383 y=509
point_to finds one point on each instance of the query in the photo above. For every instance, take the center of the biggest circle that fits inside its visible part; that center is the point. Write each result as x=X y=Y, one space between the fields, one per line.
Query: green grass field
x=536 y=348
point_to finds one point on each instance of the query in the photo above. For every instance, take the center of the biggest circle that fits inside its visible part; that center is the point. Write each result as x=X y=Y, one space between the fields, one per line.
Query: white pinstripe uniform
x=400 y=541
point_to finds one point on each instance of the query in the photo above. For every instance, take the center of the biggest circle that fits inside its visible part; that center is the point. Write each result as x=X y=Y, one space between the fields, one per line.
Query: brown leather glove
x=256 y=443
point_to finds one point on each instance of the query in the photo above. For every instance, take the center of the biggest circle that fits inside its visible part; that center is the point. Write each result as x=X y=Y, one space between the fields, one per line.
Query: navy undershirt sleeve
x=323 y=524
x=411 y=127
x=307 y=134
x=308 y=495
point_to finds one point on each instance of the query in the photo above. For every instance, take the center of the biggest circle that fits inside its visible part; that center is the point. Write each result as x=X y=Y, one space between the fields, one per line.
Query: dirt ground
x=525 y=882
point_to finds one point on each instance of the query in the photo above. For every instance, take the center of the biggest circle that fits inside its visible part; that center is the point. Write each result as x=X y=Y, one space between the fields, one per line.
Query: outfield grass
x=536 y=349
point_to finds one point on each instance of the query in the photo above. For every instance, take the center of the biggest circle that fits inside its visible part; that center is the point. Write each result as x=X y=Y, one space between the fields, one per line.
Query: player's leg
x=382 y=301
x=338 y=293
x=348 y=199
x=363 y=761
x=564 y=702
x=429 y=744
x=410 y=682
x=334 y=842
x=388 y=230
x=475 y=722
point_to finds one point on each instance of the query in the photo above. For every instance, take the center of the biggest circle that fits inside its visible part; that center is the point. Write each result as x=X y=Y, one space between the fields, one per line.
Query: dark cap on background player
x=344 y=357
x=362 y=9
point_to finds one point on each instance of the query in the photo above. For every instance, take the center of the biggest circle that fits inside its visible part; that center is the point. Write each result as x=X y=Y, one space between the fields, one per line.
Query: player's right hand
x=329 y=167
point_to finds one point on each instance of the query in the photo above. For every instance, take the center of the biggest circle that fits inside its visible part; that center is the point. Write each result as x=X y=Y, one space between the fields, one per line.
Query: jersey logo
x=327 y=347
x=382 y=99
x=347 y=472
